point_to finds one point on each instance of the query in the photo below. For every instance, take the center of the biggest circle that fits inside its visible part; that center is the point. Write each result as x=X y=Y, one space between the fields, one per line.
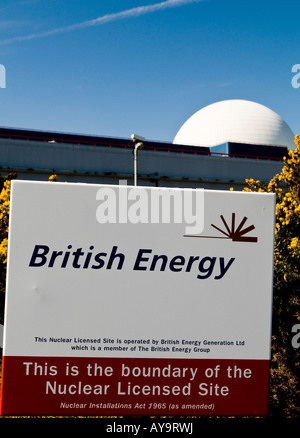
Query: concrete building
x=217 y=148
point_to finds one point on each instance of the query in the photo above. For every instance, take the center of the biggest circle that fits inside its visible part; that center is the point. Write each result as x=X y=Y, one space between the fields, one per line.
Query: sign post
x=137 y=301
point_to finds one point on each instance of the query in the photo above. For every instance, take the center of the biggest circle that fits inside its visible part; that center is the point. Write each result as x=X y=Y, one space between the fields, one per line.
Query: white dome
x=237 y=121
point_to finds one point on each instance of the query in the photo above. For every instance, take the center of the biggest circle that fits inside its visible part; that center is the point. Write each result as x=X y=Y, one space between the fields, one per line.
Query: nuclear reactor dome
x=236 y=121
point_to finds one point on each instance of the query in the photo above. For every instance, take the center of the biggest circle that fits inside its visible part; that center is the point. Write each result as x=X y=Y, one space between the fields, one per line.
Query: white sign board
x=118 y=303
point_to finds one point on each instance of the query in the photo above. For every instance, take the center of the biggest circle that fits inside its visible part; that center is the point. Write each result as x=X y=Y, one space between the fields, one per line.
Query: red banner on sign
x=134 y=386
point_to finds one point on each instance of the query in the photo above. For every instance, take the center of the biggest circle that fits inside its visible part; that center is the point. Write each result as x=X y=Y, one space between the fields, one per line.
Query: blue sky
x=116 y=67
